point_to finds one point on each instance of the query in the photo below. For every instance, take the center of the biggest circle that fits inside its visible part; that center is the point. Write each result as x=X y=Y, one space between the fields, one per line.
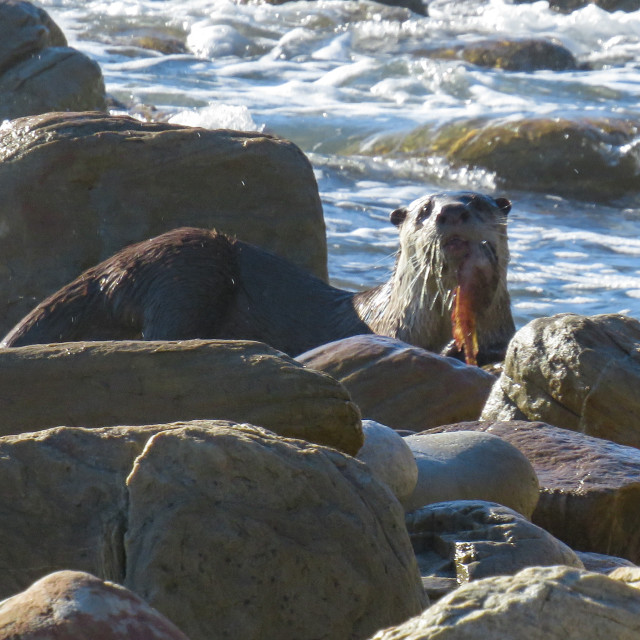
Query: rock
x=256 y=536
x=467 y=465
x=576 y=372
x=402 y=386
x=470 y=539
x=567 y=6
x=58 y=223
x=64 y=502
x=38 y=72
x=70 y=605
x=589 y=488
x=389 y=458
x=602 y=563
x=538 y=603
x=519 y=54
x=628 y=575
x=93 y=384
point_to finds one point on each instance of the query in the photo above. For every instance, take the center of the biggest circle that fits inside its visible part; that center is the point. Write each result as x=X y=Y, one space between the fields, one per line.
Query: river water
x=337 y=77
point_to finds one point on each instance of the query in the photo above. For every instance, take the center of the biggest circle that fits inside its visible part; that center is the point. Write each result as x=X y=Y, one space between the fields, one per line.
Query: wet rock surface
x=71 y=181
x=466 y=540
x=576 y=372
x=402 y=386
x=256 y=536
x=589 y=488
x=94 y=384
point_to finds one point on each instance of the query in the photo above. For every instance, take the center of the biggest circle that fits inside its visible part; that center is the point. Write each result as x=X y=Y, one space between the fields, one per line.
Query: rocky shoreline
x=209 y=489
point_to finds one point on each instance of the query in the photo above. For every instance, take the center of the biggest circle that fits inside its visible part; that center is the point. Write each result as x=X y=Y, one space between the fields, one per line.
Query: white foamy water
x=337 y=76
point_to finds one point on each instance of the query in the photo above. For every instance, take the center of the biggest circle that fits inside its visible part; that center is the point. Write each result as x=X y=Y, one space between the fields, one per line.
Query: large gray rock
x=580 y=373
x=38 y=72
x=539 y=603
x=402 y=386
x=76 y=188
x=94 y=384
x=589 y=488
x=456 y=542
x=70 y=605
x=233 y=532
x=467 y=465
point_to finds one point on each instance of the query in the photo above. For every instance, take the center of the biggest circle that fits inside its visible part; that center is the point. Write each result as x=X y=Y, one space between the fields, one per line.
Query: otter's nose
x=452 y=214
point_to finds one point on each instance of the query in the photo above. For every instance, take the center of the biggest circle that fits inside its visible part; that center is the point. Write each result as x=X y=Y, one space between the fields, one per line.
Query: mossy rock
x=512 y=55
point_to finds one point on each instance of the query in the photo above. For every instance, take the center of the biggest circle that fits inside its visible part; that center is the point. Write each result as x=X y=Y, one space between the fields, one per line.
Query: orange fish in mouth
x=463 y=324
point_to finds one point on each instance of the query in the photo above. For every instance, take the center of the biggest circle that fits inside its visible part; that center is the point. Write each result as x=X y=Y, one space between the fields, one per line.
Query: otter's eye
x=425 y=212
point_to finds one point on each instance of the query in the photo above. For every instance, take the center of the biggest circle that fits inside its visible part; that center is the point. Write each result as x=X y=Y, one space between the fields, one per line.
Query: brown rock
x=57 y=223
x=402 y=386
x=255 y=536
x=580 y=373
x=38 y=72
x=538 y=603
x=590 y=488
x=63 y=500
x=467 y=540
x=69 y=605
x=94 y=384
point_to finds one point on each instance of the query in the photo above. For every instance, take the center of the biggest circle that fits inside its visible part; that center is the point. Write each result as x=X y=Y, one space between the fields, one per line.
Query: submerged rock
x=467 y=465
x=94 y=384
x=70 y=605
x=466 y=540
x=589 y=488
x=38 y=71
x=511 y=55
x=76 y=188
x=402 y=386
x=577 y=372
x=260 y=537
x=538 y=603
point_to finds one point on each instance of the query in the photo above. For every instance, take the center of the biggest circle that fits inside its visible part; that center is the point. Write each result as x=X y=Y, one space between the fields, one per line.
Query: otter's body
x=196 y=283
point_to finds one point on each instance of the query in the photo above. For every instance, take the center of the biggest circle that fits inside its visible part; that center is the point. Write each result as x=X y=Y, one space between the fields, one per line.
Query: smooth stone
x=254 y=536
x=467 y=465
x=71 y=605
x=389 y=457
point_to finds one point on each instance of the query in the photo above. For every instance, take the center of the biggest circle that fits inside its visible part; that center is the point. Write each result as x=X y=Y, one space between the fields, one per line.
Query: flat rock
x=71 y=605
x=538 y=603
x=577 y=372
x=402 y=386
x=254 y=536
x=589 y=488
x=70 y=181
x=467 y=465
x=470 y=539
x=389 y=457
x=94 y=384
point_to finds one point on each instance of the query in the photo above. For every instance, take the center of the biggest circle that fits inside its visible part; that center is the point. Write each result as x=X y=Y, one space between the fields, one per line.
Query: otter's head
x=453 y=236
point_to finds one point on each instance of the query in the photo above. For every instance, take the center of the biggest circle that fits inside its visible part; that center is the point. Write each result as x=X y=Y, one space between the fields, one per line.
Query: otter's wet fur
x=197 y=283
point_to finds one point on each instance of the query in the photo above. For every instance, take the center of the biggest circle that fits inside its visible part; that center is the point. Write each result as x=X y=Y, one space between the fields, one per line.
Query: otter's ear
x=398 y=216
x=504 y=205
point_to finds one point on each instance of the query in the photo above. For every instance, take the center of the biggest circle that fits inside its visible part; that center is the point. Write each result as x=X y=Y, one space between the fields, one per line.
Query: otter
x=197 y=283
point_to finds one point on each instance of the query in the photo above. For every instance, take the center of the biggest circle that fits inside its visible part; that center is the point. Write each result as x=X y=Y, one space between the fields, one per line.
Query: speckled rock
x=577 y=372
x=244 y=184
x=70 y=605
x=94 y=384
x=468 y=465
x=402 y=386
x=257 y=536
x=538 y=603
x=589 y=488
x=389 y=457
x=468 y=540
